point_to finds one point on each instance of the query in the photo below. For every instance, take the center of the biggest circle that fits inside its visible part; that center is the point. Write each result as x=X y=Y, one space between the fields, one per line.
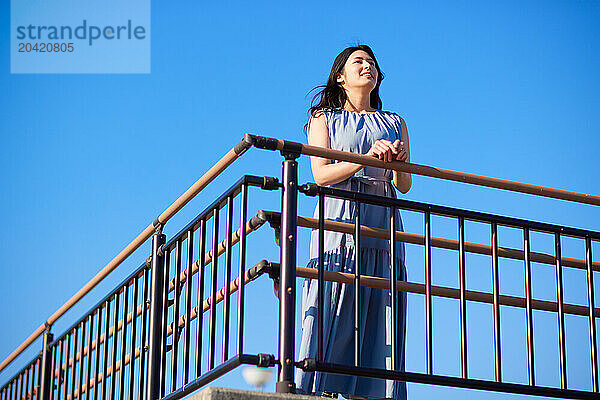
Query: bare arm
x=403 y=180
x=324 y=171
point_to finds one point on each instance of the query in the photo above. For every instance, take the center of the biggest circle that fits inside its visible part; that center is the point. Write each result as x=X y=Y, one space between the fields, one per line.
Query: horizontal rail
x=311 y=189
x=450 y=244
x=185 y=198
x=434 y=172
x=469 y=383
x=440 y=291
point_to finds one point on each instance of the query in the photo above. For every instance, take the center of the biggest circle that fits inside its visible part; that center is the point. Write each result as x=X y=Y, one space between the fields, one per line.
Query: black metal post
x=357 y=262
x=529 y=308
x=561 y=313
x=590 y=282
x=156 y=315
x=496 y=294
x=46 y=370
x=287 y=283
x=428 y=300
x=393 y=294
x=463 y=296
x=321 y=279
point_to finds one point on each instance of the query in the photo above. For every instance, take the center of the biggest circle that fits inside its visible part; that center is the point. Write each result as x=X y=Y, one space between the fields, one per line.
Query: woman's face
x=359 y=72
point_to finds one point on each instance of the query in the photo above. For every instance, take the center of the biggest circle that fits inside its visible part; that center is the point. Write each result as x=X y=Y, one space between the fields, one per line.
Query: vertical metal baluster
x=165 y=323
x=561 y=314
x=321 y=276
x=105 y=349
x=36 y=385
x=393 y=291
x=59 y=377
x=143 y=341
x=26 y=385
x=200 y=300
x=132 y=342
x=463 y=296
x=123 y=342
x=20 y=383
x=113 y=381
x=30 y=390
x=52 y=374
x=97 y=360
x=188 y=305
x=36 y=378
x=242 y=269
x=176 y=330
x=30 y=387
x=226 y=299
x=357 y=301
x=590 y=282
x=80 y=368
x=66 y=382
x=27 y=381
x=213 y=289
x=34 y=389
x=529 y=308
x=496 y=289
x=30 y=384
x=73 y=365
x=89 y=357
x=428 y=304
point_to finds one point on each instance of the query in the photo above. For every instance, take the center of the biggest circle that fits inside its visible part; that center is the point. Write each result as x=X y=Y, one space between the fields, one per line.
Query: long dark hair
x=332 y=95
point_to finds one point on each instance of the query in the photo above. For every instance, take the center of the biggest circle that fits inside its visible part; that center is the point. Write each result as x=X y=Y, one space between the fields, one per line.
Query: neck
x=358 y=101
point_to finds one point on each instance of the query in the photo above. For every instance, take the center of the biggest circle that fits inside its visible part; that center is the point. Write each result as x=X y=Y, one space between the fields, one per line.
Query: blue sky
x=504 y=89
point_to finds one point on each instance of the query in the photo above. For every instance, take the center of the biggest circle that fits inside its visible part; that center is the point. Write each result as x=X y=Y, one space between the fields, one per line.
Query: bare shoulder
x=318 y=134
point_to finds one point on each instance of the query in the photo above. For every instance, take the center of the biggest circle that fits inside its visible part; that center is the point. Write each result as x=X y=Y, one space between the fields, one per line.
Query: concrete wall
x=216 y=393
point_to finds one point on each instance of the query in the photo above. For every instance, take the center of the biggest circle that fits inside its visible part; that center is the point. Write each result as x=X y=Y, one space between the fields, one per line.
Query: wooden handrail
x=434 y=172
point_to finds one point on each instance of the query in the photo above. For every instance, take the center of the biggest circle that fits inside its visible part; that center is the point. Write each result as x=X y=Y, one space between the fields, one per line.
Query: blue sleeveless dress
x=354 y=132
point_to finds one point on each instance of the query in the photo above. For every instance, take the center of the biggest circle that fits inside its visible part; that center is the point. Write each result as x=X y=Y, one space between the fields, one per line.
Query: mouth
x=368 y=74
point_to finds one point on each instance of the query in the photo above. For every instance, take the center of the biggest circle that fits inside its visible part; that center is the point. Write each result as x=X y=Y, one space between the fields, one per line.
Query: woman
x=348 y=117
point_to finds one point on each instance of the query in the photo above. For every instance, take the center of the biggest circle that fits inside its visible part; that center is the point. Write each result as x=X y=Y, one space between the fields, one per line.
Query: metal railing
x=155 y=335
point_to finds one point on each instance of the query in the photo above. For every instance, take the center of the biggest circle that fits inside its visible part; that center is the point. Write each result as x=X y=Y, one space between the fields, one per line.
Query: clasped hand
x=388 y=151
